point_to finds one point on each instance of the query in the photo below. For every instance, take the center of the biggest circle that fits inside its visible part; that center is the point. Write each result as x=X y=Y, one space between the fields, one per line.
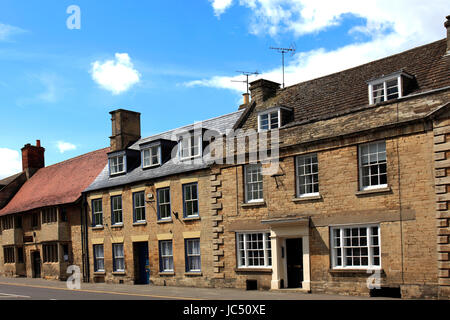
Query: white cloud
x=10 y=162
x=7 y=31
x=220 y=6
x=116 y=75
x=392 y=27
x=65 y=146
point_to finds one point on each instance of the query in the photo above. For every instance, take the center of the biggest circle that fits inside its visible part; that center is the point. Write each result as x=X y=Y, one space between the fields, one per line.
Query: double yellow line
x=98 y=291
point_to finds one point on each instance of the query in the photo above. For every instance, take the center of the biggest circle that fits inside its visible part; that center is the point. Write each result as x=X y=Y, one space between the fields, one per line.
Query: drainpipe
x=84 y=238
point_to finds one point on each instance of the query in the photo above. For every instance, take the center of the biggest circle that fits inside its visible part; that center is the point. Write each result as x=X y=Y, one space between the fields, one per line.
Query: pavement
x=40 y=289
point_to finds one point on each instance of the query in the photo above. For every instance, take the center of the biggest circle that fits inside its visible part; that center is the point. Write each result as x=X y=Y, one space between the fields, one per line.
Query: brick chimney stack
x=262 y=89
x=447 y=26
x=32 y=158
x=126 y=128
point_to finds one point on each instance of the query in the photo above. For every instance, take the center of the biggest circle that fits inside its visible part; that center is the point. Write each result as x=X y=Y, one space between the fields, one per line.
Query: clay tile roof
x=57 y=184
x=346 y=91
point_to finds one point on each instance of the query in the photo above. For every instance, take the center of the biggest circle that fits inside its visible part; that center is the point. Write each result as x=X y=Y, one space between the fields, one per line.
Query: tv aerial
x=247 y=74
x=291 y=49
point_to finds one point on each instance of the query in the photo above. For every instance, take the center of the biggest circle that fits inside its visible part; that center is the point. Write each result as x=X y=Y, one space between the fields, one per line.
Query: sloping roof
x=346 y=91
x=219 y=124
x=9 y=179
x=57 y=184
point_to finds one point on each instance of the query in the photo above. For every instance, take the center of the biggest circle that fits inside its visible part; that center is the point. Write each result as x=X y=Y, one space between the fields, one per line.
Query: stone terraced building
x=339 y=184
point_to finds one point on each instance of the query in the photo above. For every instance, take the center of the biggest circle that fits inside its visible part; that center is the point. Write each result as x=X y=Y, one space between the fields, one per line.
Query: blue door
x=144 y=267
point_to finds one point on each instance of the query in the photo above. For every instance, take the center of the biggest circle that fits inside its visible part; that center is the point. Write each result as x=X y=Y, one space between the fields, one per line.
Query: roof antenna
x=283 y=51
x=247 y=74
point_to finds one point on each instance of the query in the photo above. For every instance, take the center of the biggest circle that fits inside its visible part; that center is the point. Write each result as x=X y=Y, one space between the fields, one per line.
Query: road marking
x=98 y=291
x=8 y=295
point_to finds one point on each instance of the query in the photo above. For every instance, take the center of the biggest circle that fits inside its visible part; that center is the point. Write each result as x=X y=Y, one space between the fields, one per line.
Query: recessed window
x=389 y=87
x=269 y=120
x=49 y=215
x=151 y=156
x=116 y=210
x=35 y=218
x=139 y=206
x=163 y=200
x=373 y=165
x=254 y=250
x=8 y=254
x=117 y=164
x=20 y=255
x=166 y=256
x=307 y=175
x=118 y=257
x=99 y=258
x=193 y=263
x=190 y=197
x=97 y=213
x=8 y=222
x=253 y=183
x=50 y=252
x=190 y=146
x=356 y=247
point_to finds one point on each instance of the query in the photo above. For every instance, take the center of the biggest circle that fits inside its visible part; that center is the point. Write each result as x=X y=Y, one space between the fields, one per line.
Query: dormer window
x=269 y=120
x=117 y=164
x=151 y=156
x=388 y=87
x=190 y=146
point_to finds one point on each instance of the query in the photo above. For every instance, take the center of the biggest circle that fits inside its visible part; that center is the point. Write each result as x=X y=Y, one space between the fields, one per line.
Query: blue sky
x=173 y=61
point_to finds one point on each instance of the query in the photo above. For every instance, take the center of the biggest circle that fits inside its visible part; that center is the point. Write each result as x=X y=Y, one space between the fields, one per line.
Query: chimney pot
x=38 y=143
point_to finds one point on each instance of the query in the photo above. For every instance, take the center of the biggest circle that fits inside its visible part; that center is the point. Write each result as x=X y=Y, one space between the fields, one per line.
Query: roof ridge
x=193 y=123
x=75 y=158
x=362 y=65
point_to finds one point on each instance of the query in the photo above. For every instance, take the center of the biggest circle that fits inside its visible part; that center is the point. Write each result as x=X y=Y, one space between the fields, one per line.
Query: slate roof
x=347 y=91
x=220 y=124
x=5 y=181
x=61 y=183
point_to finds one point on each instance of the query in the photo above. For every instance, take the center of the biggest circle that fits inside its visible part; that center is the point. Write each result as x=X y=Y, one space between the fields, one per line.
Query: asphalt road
x=39 y=289
x=20 y=292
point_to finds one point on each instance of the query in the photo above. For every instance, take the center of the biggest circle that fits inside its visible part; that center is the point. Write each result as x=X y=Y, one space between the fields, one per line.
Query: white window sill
x=378 y=189
x=308 y=197
x=250 y=204
x=188 y=218
x=119 y=225
x=151 y=166
x=164 y=220
x=98 y=227
x=139 y=223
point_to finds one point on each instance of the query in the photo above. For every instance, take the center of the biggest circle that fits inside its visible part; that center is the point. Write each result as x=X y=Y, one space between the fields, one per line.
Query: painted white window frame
x=189 y=137
x=117 y=257
x=115 y=211
x=268 y=260
x=298 y=175
x=111 y=166
x=149 y=149
x=95 y=213
x=192 y=255
x=98 y=257
x=163 y=256
x=369 y=244
x=246 y=183
x=360 y=167
x=269 y=113
x=383 y=80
